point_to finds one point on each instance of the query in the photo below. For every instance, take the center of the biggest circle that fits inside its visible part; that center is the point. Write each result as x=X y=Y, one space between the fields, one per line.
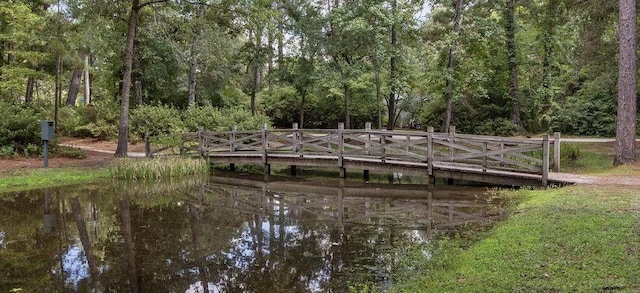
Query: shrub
x=68 y=152
x=69 y=119
x=7 y=152
x=498 y=127
x=216 y=119
x=99 y=120
x=156 y=120
x=19 y=127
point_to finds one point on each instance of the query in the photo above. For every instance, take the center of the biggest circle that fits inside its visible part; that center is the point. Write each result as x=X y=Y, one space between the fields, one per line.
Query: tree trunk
x=191 y=96
x=302 y=105
x=627 y=103
x=391 y=104
x=123 y=125
x=347 y=114
x=58 y=91
x=193 y=60
x=86 y=243
x=378 y=94
x=257 y=72
x=87 y=83
x=136 y=71
x=280 y=34
x=513 y=62
x=74 y=87
x=28 y=96
x=448 y=111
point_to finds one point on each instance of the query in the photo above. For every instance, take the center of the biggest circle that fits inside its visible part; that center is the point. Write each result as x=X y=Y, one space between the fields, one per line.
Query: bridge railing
x=428 y=149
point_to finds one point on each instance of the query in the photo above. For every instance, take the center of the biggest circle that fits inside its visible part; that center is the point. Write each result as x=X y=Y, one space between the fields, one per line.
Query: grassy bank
x=574 y=239
x=24 y=179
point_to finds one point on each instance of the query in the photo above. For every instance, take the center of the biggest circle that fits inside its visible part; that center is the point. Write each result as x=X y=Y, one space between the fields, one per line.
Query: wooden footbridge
x=487 y=159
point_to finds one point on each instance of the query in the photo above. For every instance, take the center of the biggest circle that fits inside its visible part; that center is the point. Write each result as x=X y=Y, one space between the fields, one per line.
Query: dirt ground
x=96 y=156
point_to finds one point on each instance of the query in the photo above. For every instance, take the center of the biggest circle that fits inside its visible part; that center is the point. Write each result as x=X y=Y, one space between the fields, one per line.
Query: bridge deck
x=489 y=159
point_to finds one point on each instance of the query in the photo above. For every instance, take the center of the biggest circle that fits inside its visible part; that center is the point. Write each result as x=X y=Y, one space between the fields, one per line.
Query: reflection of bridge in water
x=395 y=206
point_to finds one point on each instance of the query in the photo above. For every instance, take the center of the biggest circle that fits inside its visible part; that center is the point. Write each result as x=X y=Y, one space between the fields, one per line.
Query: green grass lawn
x=38 y=178
x=574 y=239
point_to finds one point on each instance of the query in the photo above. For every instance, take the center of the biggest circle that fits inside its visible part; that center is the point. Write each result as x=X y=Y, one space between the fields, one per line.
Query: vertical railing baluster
x=430 y=150
x=556 y=152
x=545 y=159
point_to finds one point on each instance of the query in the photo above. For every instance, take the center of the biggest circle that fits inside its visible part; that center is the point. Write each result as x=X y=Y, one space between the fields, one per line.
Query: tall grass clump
x=157 y=168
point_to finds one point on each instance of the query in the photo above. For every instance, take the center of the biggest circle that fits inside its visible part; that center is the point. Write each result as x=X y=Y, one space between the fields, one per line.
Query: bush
x=498 y=127
x=67 y=152
x=69 y=119
x=216 y=119
x=99 y=120
x=19 y=127
x=156 y=120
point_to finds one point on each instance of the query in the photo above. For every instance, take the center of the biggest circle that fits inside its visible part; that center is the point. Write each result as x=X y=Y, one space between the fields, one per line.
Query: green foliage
x=69 y=120
x=99 y=120
x=157 y=120
x=594 y=115
x=150 y=169
x=498 y=127
x=570 y=151
x=217 y=119
x=19 y=127
x=282 y=105
x=7 y=152
x=68 y=152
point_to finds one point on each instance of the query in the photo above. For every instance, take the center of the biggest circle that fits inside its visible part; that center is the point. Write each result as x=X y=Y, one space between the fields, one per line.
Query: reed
x=157 y=168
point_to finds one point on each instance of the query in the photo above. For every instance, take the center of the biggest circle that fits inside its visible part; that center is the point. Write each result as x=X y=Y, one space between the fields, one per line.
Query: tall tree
x=391 y=103
x=123 y=125
x=513 y=61
x=627 y=91
x=448 y=111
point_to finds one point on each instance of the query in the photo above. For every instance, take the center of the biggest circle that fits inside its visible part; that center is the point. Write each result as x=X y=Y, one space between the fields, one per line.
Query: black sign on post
x=47 y=134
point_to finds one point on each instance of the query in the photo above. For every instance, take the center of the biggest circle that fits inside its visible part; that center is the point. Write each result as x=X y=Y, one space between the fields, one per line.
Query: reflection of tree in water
x=207 y=238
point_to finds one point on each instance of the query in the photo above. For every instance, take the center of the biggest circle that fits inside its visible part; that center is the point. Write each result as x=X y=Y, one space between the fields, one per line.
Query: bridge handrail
x=523 y=155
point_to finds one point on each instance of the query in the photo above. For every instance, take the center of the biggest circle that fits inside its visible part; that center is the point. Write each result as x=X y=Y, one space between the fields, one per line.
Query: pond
x=226 y=233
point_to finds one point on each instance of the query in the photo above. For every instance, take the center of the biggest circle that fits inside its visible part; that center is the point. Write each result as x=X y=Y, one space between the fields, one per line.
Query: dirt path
x=99 y=153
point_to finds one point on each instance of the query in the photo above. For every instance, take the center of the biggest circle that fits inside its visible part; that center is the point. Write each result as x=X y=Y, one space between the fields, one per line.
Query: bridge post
x=556 y=152
x=232 y=147
x=295 y=148
x=545 y=160
x=452 y=140
x=265 y=143
x=147 y=144
x=200 y=141
x=430 y=151
x=367 y=148
x=343 y=172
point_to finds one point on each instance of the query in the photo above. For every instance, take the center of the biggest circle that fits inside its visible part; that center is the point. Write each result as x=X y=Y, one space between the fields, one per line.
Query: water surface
x=225 y=234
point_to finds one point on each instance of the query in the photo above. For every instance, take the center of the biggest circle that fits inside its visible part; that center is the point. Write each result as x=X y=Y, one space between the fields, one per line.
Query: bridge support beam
x=343 y=172
x=365 y=174
x=232 y=167
x=292 y=170
x=267 y=169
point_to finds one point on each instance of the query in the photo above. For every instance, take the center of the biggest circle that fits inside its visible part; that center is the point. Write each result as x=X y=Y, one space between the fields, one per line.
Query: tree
x=627 y=97
x=448 y=112
x=123 y=125
x=513 y=61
